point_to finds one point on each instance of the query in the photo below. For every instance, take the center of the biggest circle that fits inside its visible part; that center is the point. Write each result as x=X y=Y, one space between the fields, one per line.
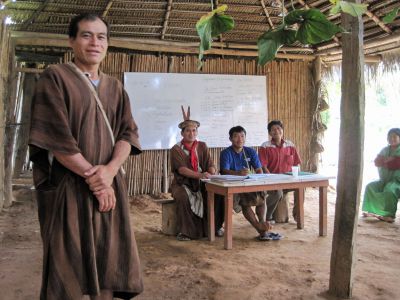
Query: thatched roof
x=169 y=25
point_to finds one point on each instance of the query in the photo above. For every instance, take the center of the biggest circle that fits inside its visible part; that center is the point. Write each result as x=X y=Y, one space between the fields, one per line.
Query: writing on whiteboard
x=218 y=102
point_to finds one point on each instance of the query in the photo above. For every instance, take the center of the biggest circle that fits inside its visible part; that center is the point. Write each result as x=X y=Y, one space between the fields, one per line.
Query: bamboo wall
x=289 y=86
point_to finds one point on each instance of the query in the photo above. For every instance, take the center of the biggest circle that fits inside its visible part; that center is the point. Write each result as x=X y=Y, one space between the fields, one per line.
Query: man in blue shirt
x=239 y=160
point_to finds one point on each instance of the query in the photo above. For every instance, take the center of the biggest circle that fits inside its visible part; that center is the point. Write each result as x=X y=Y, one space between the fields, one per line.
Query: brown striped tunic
x=187 y=222
x=85 y=251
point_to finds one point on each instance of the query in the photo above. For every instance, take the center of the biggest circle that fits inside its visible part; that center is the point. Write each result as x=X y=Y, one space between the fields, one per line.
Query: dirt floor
x=296 y=267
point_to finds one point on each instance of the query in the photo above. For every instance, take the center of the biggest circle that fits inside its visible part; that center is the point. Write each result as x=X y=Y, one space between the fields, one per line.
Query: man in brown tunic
x=190 y=162
x=89 y=246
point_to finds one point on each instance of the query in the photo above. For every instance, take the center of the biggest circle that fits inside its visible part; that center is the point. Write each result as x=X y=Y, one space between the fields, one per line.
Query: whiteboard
x=218 y=102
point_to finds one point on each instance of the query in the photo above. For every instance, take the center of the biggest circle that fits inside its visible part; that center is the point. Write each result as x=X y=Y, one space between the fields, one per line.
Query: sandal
x=183 y=238
x=264 y=236
x=220 y=232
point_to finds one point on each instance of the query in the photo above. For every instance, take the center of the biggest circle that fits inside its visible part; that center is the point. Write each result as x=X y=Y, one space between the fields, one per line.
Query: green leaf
x=270 y=42
x=335 y=9
x=295 y=16
x=354 y=9
x=389 y=18
x=212 y=25
x=315 y=28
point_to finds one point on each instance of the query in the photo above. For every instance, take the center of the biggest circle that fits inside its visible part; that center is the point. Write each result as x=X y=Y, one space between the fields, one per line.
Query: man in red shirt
x=278 y=155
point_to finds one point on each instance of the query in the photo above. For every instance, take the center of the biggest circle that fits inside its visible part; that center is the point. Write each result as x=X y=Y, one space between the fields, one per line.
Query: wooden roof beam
x=24 y=38
x=393 y=38
x=107 y=8
x=166 y=19
x=378 y=21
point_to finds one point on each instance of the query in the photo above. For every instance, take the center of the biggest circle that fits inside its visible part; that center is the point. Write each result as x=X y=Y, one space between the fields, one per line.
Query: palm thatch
x=169 y=26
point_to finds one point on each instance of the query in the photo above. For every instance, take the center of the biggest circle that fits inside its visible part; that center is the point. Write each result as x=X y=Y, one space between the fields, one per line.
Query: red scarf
x=194 y=161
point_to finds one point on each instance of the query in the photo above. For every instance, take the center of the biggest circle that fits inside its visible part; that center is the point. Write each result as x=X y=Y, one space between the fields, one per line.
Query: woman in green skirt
x=380 y=198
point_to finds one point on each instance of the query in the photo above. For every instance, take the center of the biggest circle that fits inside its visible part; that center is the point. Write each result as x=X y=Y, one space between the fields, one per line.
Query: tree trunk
x=350 y=159
x=23 y=130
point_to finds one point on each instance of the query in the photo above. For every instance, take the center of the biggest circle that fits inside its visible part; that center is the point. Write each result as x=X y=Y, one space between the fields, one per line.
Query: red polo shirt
x=279 y=159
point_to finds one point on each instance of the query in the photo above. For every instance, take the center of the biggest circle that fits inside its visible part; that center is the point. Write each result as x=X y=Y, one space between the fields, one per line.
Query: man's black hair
x=396 y=131
x=236 y=129
x=74 y=24
x=274 y=122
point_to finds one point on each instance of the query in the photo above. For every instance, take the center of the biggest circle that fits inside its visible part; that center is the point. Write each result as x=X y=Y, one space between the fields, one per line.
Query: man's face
x=276 y=132
x=189 y=134
x=90 y=44
x=238 y=139
x=393 y=139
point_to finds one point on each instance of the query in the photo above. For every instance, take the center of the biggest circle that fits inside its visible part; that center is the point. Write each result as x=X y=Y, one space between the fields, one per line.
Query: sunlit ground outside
x=382 y=110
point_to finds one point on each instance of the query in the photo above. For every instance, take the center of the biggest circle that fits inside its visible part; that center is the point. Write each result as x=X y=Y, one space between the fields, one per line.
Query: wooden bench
x=169 y=220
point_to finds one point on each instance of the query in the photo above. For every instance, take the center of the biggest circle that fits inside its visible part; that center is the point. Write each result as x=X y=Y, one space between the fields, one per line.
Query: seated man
x=238 y=160
x=278 y=156
x=190 y=162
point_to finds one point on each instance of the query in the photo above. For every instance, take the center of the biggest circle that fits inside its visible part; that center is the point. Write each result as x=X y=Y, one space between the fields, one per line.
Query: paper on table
x=227 y=177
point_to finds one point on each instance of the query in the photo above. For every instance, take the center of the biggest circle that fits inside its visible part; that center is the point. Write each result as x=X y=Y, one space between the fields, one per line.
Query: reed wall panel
x=289 y=90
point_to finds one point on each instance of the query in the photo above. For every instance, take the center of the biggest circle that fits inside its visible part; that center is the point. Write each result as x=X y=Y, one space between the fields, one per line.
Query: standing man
x=278 y=156
x=190 y=162
x=89 y=246
x=240 y=160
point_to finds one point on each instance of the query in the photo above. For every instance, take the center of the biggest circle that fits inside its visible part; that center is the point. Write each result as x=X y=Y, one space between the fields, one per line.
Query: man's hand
x=244 y=172
x=106 y=198
x=100 y=177
x=205 y=175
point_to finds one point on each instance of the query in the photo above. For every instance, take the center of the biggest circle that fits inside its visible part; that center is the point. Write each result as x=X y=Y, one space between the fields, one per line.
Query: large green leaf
x=212 y=25
x=270 y=42
x=315 y=28
x=335 y=9
x=389 y=18
x=354 y=9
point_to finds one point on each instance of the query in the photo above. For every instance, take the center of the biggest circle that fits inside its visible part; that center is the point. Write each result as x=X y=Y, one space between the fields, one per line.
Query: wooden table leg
x=323 y=210
x=211 y=218
x=228 y=221
x=299 y=197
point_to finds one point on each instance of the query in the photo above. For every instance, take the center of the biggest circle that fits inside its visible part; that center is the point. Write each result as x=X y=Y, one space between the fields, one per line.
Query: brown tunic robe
x=188 y=223
x=85 y=250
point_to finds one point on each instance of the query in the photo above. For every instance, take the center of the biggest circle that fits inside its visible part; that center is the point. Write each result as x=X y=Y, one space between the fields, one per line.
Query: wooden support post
x=350 y=159
x=3 y=83
x=228 y=221
x=211 y=215
x=323 y=209
x=9 y=109
x=165 y=172
x=21 y=146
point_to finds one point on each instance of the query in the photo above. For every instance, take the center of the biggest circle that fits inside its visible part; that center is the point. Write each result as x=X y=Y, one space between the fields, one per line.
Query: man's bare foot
x=386 y=219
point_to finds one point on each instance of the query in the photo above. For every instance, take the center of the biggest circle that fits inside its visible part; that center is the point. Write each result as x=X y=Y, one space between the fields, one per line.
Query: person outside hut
x=77 y=114
x=240 y=160
x=190 y=162
x=278 y=155
x=381 y=197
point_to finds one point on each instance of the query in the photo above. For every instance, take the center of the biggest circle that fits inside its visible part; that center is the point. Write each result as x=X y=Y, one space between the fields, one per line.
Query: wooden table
x=278 y=182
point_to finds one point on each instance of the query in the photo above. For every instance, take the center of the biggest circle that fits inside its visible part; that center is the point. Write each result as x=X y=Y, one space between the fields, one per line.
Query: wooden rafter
x=107 y=8
x=374 y=18
x=166 y=19
x=267 y=14
x=37 y=12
